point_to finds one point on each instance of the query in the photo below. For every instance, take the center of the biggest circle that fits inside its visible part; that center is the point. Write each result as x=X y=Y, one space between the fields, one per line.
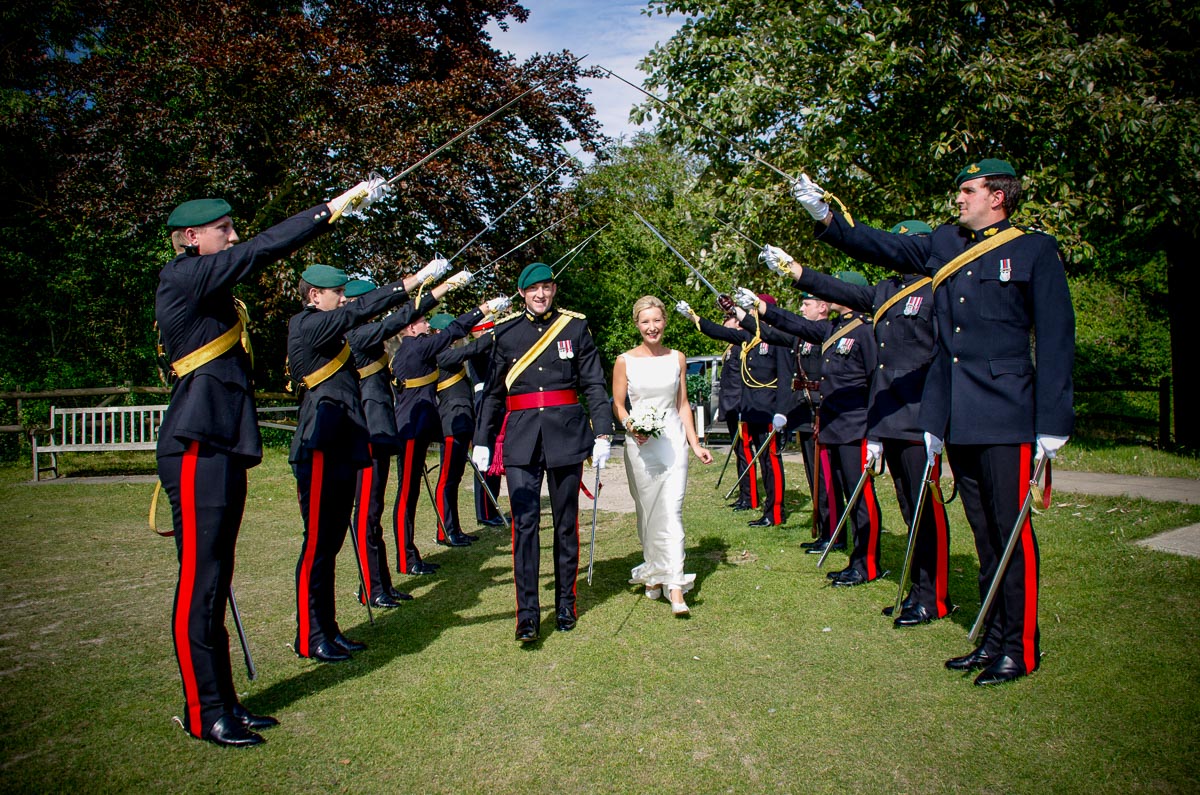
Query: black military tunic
x=984 y=396
x=904 y=337
x=806 y=387
x=847 y=364
x=330 y=445
x=456 y=406
x=548 y=441
x=415 y=375
x=208 y=439
x=379 y=409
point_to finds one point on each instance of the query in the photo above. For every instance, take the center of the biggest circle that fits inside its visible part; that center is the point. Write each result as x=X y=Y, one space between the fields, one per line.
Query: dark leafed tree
x=1095 y=103
x=116 y=110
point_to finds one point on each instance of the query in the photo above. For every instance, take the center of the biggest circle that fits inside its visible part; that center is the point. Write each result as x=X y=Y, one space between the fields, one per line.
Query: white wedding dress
x=657 y=474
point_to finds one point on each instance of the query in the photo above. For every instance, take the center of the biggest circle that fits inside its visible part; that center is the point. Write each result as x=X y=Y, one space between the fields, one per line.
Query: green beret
x=198 y=212
x=989 y=167
x=912 y=227
x=324 y=276
x=852 y=277
x=440 y=321
x=535 y=272
x=357 y=287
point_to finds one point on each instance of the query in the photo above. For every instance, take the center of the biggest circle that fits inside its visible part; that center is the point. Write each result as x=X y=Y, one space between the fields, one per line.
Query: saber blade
x=673 y=250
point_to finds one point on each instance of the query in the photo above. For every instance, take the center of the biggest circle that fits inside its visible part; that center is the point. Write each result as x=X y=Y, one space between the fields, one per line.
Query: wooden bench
x=93 y=430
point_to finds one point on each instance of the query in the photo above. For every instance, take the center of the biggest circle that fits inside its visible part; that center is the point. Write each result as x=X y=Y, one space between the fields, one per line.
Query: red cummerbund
x=538 y=400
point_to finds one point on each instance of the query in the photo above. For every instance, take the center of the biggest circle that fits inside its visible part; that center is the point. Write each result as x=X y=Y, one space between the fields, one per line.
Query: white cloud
x=613 y=34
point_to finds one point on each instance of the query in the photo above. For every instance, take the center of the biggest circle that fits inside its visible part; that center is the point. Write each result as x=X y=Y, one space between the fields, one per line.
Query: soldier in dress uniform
x=543 y=357
x=415 y=374
x=331 y=442
x=729 y=403
x=902 y=318
x=379 y=409
x=995 y=286
x=456 y=406
x=209 y=437
x=806 y=386
x=766 y=374
x=847 y=364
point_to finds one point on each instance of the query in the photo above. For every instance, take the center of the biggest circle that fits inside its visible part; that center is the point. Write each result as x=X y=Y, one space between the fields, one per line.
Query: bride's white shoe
x=653 y=593
x=679 y=608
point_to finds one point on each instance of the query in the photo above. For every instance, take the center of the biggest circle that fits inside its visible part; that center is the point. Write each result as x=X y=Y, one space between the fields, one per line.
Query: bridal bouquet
x=647 y=420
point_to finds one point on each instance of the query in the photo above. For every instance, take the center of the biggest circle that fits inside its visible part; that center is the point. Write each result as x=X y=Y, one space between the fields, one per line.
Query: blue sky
x=614 y=34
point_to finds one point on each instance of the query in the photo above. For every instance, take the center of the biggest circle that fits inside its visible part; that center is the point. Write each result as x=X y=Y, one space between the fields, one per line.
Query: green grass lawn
x=775 y=684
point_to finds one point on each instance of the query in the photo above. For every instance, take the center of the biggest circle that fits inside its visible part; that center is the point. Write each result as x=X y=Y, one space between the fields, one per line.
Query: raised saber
x=251 y=671
x=868 y=472
x=356 y=200
x=912 y=536
x=674 y=251
x=535 y=236
x=1002 y=566
x=576 y=250
x=750 y=467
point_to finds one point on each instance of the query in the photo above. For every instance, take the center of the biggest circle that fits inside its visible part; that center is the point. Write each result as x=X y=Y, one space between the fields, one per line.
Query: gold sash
x=452 y=380
x=372 y=368
x=555 y=329
x=413 y=383
x=843 y=331
x=907 y=291
x=314 y=378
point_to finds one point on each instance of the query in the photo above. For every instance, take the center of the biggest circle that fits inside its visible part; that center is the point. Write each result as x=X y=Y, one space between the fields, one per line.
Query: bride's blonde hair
x=648 y=302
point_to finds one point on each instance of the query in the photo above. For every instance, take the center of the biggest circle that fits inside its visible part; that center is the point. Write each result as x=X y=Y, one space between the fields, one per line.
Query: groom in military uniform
x=542 y=359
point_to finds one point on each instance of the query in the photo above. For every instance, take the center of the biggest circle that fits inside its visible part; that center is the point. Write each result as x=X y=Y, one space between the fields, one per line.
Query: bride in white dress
x=657 y=466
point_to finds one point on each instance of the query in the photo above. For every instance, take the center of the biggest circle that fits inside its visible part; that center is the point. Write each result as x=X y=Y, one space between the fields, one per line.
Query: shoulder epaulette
x=569 y=313
x=1031 y=230
x=508 y=317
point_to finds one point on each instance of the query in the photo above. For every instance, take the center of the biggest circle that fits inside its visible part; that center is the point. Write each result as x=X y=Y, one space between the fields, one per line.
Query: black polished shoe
x=1003 y=669
x=527 y=631
x=454 y=540
x=495 y=521
x=907 y=603
x=970 y=662
x=849 y=578
x=385 y=601
x=470 y=536
x=913 y=615
x=564 y=621
x=833 y=575
x=399 y=596
x=329 y=652
x=816 y=542
x=820 y=548
x=420 y=569
x=741 y=506
x=252 y=721
x=764 y=521
x=232 y=733
x=347 y=645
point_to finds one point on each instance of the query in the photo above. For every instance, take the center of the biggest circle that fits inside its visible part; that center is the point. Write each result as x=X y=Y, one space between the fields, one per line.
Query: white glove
x=779 y=422
x=481 y=457
x=874 y=452
x=499 y=304
x=460 y=279
x=933 y=448
x=812 y=196
x=436 y=269
x=776 y=259
x=601 y=452
x=685 y=309
x=745 y=299
x=362 y=195
x=1050 y=445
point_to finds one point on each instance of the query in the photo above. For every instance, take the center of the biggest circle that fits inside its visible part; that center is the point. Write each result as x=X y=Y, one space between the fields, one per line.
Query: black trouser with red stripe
x=770 y=463
x=992 y=482
x=450 y=475
x=325 y=486
x=524 y=489
x=931 y=549
x=207 y=490
x=846 y=464
x=410 y=471
x=739 y=437
x=368 y=525
x=808 y=451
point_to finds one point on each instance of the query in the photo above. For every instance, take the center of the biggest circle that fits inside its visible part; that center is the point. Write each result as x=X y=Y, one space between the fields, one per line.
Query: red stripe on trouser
x=400 y=516
x=303 y=607
x=749 y=456
x=1029 y=554
x=366 y=483
x=440 y=492
x=776 y=464
x=872 y=520
x=941 y=576
x=513 y=527
x=187 y=583
x=575 y=582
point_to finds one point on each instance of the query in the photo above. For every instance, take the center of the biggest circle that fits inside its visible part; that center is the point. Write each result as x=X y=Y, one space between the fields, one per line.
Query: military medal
x=565 y=351
x=1005 y=269
x=844 y=345
x=763 y=348
x=913 y=305
x=806 y=349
